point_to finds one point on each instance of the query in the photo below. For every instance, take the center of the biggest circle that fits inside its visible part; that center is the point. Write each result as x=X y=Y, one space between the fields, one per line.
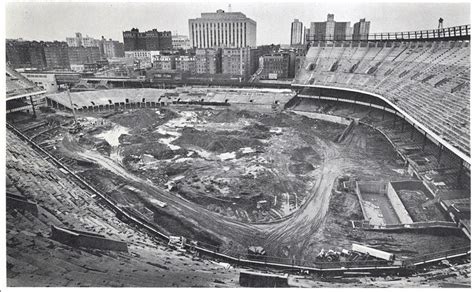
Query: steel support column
x=424 y=142
x=440 y=152
x=33 y=106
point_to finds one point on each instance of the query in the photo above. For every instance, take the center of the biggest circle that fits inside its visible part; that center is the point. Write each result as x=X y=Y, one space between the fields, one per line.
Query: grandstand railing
x=446 y=254
x=456 y=32
x=243 y=259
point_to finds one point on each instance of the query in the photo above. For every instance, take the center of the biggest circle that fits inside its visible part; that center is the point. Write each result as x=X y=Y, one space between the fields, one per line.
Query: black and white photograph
x=237 y=144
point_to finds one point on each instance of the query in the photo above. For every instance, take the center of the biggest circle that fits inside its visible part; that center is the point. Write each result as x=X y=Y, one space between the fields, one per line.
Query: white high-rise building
x=223 y=29
x=296 y=32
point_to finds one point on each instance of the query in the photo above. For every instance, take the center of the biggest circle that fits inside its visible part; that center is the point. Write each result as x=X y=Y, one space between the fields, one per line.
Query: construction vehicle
x=76 y=128
x=178 y=242
x=256 y=252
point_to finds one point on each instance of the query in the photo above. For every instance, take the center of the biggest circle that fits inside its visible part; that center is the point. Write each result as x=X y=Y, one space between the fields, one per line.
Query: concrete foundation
x=381 y=205
x=398 y=206
x=258 y=279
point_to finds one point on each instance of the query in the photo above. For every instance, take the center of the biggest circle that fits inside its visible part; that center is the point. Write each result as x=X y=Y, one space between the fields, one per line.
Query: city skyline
x=110 y=19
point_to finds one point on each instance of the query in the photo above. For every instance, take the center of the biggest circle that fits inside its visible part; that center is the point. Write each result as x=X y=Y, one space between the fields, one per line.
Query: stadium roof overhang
x=436 y=137
x=26 y=95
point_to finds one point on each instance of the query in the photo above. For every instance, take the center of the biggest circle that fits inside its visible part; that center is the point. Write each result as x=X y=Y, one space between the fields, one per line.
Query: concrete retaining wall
x=398 y=206
x=86 y=239
x=372 y=187
x=259 y=279
x=359 y=196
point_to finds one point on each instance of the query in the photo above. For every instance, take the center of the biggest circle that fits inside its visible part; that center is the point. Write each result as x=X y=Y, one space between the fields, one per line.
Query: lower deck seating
x=35 y=259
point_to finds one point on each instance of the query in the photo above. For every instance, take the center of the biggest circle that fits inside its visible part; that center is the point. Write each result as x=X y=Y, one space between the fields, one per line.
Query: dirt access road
x=364 y=155
x=231 y=233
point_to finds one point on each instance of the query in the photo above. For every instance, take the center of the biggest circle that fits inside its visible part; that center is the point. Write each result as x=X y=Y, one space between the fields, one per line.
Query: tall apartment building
x=296 y=32
x=236 y=61
x=306 y=34
x=330 y=30
x=208 y=61
x=111 y=49
x=152 y=40
x=56 y=55
x=25 y=54
x=83 y=55
x=222 y=29
x=361 y=30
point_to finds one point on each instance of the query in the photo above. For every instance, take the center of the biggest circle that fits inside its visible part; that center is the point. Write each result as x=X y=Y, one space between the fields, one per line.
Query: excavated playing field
x=248 y=166
x=236 y=177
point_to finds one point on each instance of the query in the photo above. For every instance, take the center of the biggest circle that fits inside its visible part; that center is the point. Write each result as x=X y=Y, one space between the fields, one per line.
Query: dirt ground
x=235 y=177
x=420 y=207
x=248 y=166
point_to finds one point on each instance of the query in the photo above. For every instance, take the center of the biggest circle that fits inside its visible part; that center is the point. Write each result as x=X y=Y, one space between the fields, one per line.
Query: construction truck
x=178 y=242
x=256 y=253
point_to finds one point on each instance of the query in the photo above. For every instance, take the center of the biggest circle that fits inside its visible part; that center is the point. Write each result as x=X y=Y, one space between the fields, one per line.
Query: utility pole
x=72 y=106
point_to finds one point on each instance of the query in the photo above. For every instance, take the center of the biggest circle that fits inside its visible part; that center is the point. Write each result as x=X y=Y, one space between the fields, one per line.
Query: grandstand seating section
x=17 y=85
x=184 y=94
x=428 y=80
x=34 y=259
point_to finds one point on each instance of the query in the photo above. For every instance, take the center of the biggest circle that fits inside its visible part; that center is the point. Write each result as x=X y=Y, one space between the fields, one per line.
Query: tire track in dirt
x=191 y=213
x=293 y=232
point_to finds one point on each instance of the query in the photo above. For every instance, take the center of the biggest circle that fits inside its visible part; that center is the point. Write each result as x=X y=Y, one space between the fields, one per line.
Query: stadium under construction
x=356 y=174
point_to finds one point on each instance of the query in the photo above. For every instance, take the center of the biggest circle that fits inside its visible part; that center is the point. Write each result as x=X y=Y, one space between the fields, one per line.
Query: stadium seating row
x=35 y=259
x=17 y=85
x=429 y=80
x=113 y=96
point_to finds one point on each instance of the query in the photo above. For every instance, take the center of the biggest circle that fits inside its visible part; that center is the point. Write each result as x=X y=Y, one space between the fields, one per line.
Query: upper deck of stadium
x=428 y=80
x=18 y=86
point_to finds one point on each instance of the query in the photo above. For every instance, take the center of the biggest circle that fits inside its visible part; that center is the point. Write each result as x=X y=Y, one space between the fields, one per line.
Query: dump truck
x=373 y=252
x=178 y=242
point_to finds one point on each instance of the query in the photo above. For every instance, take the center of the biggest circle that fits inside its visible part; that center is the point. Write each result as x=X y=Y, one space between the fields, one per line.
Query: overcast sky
x=57 y=20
